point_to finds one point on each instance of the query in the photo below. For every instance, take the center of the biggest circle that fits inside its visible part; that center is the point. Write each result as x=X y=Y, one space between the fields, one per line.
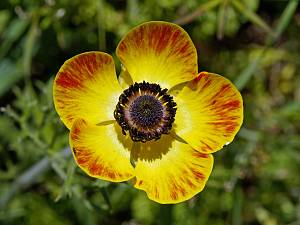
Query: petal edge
x=170 y=171
x=209 y=112
x=79 y=90
x=96 y=149
x=158 y=52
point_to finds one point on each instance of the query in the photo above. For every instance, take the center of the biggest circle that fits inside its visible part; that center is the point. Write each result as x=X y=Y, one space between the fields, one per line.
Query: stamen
x=145 y=111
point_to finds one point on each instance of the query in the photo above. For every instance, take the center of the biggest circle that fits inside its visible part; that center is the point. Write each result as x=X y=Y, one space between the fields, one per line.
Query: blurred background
x=255 y=43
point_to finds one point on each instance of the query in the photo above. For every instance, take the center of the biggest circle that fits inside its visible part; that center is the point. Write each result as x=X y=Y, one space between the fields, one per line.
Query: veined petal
x=101 y=151
x=209 y=112
x=86 y=87
x=159 y=52
x=170 y=171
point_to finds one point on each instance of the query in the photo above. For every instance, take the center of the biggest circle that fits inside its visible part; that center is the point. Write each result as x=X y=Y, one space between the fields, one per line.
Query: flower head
x=157 y=123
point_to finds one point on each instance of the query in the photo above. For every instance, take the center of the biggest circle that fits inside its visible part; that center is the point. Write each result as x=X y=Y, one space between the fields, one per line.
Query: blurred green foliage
x=254 y=43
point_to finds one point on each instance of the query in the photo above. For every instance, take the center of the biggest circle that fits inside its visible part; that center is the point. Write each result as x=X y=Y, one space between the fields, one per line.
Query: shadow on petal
x=152 y=150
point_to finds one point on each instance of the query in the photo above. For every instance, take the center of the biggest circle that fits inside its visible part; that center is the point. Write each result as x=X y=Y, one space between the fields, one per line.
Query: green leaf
x=30 y=43
x=4 y=17
x=15 y=30
x=9 y=75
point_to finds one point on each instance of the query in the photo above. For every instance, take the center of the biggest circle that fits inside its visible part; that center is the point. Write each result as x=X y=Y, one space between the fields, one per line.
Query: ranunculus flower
x=158 y=123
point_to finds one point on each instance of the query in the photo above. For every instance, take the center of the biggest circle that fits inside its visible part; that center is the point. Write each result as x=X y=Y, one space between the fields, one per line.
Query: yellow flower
x=158 y=123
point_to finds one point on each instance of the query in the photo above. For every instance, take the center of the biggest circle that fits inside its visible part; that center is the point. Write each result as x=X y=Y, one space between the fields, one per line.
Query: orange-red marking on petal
x=86 y=87
x=209 y=112
x=158 y=52
x=101 y=151
x=171 y=171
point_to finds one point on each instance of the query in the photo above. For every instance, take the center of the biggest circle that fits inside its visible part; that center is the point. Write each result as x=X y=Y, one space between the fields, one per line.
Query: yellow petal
x=170 y=171
x=158 y=52
x=101 y=151
x=86 y=87
x=209 y=112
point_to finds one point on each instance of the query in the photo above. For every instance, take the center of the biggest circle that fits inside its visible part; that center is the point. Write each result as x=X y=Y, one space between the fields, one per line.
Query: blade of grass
x=198 y=12
x=252 y=16
x=248 y=72
x=30 y=42
x=15 y=30
x=237 y=207
x=222 y=19
x=284 y=21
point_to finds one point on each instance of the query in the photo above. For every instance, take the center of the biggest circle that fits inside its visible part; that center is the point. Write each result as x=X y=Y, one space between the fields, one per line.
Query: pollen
x=145 y=111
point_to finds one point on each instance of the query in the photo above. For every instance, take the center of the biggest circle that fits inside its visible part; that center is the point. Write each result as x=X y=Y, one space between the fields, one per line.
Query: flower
x=158 y=123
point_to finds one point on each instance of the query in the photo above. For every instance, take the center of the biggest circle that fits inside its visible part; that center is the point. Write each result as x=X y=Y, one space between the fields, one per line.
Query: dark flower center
x=145 y=111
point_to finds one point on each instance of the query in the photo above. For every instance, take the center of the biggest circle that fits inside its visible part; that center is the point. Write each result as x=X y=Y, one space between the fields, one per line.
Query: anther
x=145 y=111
